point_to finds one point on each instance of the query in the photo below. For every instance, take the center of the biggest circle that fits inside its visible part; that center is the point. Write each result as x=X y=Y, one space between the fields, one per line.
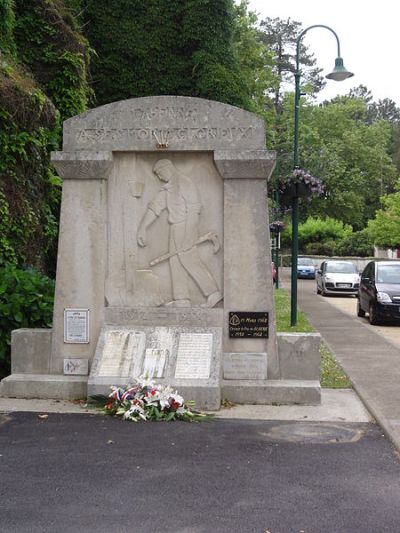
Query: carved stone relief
x=165 y=229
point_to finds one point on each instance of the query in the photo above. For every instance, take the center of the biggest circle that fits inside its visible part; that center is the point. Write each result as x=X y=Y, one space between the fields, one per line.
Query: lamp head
x=339 y=73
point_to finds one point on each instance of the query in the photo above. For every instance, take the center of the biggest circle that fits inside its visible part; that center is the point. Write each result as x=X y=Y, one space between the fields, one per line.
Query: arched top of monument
x=167 y=123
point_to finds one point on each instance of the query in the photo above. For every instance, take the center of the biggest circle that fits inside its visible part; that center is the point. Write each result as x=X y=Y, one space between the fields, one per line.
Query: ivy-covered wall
x=152 y=47
x=43 y=81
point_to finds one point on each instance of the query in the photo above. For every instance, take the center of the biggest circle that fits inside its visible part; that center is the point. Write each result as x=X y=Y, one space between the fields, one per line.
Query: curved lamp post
x=339 y=73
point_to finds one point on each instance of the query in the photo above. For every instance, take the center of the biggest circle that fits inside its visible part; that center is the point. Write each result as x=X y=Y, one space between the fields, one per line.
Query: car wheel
x=360 y=311
x=372 y=315
x=318 y=290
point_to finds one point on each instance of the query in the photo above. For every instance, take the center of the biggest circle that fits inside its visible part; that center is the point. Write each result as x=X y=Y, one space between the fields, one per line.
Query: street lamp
x=339 y=73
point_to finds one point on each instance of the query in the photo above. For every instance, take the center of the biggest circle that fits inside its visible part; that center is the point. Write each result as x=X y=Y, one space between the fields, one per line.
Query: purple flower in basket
x=307 y=184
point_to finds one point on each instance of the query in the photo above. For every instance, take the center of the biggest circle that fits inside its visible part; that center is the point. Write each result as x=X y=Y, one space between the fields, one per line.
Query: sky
x=369 y=38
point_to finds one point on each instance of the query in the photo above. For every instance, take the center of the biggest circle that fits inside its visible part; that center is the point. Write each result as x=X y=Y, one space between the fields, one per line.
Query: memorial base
x=44 y=386
x=272 y=392
x=187 y=359
x=206 y=397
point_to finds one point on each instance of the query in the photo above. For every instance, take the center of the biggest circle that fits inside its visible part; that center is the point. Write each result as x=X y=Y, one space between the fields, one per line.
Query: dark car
x=379 y=292
x=305 y=268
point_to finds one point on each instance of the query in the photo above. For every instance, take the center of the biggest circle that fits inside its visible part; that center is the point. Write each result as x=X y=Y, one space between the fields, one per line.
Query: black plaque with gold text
x=248 y=324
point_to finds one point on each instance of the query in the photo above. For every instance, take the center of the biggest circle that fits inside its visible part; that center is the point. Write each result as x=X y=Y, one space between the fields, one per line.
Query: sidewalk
x=336 y=406
x=371 y=362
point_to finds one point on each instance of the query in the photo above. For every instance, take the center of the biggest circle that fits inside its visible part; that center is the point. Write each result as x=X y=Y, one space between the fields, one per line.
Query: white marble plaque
x=120 y=351
x=154 y=362
x=76 y=326
x=193 y=359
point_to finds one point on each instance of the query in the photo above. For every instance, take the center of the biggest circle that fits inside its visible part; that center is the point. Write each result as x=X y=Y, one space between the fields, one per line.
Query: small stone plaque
x=243 y=324
x=76 y=367
x=120 y=350
x=76 y=326
x=154 y=362
x=245 y=366
x=193 y=359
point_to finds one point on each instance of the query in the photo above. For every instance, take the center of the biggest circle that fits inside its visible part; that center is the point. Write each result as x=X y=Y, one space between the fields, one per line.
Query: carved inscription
x=90 y=135
x=191 y=316
x=193 y=359
x=160 y=113
x=245 y=366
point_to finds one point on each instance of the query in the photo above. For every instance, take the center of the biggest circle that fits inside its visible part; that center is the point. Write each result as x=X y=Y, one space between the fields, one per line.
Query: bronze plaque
x=248 y=324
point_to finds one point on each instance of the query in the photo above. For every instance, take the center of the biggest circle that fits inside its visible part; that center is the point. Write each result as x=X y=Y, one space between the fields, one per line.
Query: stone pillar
x=247 y=252
x=82 y=248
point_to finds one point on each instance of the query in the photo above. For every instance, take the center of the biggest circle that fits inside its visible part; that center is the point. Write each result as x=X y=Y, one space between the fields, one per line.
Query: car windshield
x=388 y=274
x=305 y=261
x=341 y=268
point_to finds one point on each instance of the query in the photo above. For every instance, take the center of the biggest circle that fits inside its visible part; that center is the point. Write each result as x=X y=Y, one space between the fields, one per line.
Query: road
x=89 y=473
x=346 y=304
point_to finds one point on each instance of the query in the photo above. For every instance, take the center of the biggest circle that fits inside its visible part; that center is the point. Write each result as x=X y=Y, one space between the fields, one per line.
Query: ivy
x=163 y=47
x=43 y=81
x=57 y=54
x=7 y=22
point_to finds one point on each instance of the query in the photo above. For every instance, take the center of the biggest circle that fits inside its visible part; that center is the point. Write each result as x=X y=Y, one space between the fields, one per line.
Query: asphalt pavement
x=72 y=472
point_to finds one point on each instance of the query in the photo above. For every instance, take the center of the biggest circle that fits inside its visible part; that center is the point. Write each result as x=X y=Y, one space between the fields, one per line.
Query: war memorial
x=164 y=262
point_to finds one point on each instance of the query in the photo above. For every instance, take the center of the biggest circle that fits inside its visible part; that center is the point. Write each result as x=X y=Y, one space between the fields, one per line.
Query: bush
x=320 y=248
x=317 y=230
x=358 y=244
x=26 y=300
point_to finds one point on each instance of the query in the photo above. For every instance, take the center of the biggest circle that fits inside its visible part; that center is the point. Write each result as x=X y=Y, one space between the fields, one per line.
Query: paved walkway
x=371 y=362
x=341 y=405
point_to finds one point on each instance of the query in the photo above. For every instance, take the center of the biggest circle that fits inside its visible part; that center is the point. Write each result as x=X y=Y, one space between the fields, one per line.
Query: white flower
x=177 y=398
x=145 y=381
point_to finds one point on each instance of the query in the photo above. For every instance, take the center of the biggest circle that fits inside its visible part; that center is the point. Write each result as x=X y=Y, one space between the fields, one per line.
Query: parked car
x=305 y=268
x=337 y=277
x=379 y=292
x=273 y=272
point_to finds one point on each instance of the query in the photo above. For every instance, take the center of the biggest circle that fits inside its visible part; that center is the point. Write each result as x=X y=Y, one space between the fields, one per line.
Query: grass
x=332 y=374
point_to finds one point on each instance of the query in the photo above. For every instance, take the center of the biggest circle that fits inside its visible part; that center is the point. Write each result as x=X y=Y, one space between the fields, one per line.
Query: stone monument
x=164 y=265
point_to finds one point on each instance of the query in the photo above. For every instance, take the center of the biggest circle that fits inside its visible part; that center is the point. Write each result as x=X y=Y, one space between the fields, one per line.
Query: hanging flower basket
x=301 y=184
x=277 y=226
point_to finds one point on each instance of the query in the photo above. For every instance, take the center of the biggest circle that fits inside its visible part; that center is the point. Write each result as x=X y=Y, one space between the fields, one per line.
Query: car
x=337 y=277
x=273 y=272
x=305 y=268
x=379 y=292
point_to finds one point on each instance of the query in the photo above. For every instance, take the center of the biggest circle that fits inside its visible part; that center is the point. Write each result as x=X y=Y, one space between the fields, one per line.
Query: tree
x=350 y=156
x=164 y=47
x=384 y=229
x=256 y=64
x=281 y=36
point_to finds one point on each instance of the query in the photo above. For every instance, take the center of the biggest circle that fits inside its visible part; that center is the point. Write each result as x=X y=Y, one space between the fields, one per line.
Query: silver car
x=337 y=277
